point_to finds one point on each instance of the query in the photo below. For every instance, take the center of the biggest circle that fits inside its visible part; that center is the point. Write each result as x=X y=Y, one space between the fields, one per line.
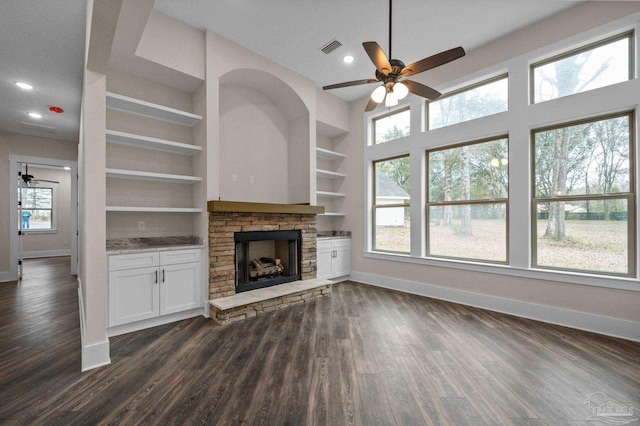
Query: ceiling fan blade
x=371 y=105
x=433 y=61
x=378 y=57
x=45 y=180
x=350 y=83
x=421 y=90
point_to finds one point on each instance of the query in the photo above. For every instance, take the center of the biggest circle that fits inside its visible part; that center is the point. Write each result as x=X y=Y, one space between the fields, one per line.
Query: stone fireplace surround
x=226 y=218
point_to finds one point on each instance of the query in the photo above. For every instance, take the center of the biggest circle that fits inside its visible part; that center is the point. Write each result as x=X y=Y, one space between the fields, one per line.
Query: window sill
x=39 y=231
x=618 y=283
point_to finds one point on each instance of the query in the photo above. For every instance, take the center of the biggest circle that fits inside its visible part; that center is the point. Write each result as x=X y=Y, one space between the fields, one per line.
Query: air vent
x=38 y=127
x=331 y=46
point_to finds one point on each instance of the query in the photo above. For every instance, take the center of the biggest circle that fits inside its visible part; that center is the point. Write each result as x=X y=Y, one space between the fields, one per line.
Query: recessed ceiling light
x=348 y=59
x=23 y=85
x=35 y=115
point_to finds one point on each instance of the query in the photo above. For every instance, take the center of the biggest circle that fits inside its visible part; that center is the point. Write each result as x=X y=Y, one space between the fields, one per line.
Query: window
x=467 y=201
x=486 y=98
x=391 y=209
x=583 y=208
x=391 y=126
x=605 y=63
x=37 y=208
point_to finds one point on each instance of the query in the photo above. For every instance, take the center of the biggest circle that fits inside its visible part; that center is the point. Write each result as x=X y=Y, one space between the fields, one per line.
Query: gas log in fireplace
x=266 y=258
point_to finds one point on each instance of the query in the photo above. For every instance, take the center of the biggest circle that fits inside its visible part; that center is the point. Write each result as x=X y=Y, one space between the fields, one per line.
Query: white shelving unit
x=328 y=154
x=329 y=194
x=148 y=109
x=154 y=209
x=173 y=116
x=328 y=174
x=137 y=141
x=161 y=177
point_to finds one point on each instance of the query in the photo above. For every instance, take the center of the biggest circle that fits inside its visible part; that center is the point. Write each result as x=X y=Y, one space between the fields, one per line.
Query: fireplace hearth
x=266 y=258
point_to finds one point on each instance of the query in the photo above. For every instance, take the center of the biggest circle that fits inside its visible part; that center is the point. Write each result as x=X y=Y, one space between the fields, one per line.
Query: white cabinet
x=150 y=284
x=333 y=257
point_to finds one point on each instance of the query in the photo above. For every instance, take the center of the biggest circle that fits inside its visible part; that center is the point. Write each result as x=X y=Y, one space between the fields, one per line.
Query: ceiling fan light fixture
x=391 y=99
x=378 y=94
x=400 y=90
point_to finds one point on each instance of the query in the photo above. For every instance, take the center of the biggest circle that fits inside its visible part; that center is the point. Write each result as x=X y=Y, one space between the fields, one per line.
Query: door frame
x=14 y=161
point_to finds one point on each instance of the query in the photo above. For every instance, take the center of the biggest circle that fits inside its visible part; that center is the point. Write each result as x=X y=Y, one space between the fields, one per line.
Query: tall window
x=602 y=64
x=392 y=203
x=583 y=210
x=486 y=98
x=37 y=209
x=467 y=201
x=391 y=126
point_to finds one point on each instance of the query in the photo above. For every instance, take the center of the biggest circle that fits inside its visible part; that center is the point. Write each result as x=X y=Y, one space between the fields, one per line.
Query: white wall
x=254 y=142
x=545 y=297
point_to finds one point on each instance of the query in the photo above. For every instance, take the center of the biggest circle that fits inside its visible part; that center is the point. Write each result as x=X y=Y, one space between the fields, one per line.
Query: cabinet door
x=133 y=295
x=180 y=288
x=324 y=253
x=341 y=258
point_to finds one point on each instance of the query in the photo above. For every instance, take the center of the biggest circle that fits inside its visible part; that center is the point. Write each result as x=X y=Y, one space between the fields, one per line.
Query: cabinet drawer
x=179 y=256
x=324 y=244
x=341 y=243
x=135 y=260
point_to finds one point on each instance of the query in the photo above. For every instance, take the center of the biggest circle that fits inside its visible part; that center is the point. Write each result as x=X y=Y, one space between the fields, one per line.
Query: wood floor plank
x=363 y=355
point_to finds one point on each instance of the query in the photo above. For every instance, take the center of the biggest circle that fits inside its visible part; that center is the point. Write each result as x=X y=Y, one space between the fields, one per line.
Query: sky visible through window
x=602 y=66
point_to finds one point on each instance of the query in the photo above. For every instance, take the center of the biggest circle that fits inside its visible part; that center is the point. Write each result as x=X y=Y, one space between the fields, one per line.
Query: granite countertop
x=137 y=245
x=334 y=234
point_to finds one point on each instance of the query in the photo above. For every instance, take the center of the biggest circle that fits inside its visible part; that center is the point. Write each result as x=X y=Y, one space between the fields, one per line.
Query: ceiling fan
x=28 y=179
x=391 y=71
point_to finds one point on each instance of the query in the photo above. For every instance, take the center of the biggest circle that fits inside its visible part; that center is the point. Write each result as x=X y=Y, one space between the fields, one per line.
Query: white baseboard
x=45 y=253
x=96 y=354
x=614 y=327
x=154 y=322
x=6 y=276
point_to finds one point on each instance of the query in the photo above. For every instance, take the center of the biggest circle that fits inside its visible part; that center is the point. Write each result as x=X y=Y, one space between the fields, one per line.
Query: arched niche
x=264 y=139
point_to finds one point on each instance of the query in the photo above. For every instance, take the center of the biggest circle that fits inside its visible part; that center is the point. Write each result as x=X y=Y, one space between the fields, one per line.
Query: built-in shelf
x=161 y=177
x=137 y=141
x=328 y=174
x=154 y=209
x=329 y=194
x=331 y=155
x=148 y=109
x=334 y=214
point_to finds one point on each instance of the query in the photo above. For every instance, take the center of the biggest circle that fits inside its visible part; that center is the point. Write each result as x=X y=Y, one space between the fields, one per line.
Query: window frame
x=629 y=196
x=53 y=209
x=375 y=207
x=385 y=115
x=630 y=34
x=463 y=89
x=485 y=201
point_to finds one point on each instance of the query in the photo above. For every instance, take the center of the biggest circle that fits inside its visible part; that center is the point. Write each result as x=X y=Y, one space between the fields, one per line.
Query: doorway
x=34 y=209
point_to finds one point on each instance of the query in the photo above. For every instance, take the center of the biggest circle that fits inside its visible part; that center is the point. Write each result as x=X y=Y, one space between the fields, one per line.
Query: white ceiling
x=292 y=32
x=43 y=42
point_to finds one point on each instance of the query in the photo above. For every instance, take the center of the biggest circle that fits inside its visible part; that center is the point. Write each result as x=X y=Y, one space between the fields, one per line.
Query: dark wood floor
x=361 y=356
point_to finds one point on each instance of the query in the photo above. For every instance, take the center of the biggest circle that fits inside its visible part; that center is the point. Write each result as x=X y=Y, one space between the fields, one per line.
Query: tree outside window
x=37 y=208
x=467 y=201
x=391 y=126
x=583 y=186
x=391 y=209
x=603 y=64
x=480 y=100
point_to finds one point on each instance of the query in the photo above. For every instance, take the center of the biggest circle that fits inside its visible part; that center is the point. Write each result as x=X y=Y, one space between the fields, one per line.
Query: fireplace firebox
x=266 y=258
